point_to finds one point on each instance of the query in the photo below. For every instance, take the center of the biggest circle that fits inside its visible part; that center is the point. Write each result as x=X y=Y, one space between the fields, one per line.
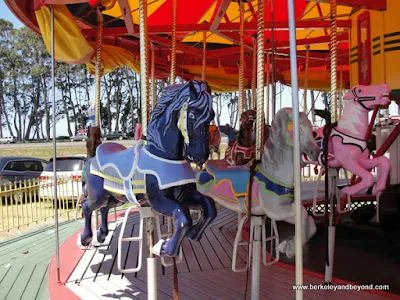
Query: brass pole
x=260 y=80
x=333 y=50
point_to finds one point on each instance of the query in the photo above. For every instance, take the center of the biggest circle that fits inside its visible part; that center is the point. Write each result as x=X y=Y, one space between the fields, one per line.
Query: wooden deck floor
x=204 y=273
x=24 y=262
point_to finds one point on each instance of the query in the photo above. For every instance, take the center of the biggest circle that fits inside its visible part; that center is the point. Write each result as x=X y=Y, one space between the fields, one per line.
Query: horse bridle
x=363 y=99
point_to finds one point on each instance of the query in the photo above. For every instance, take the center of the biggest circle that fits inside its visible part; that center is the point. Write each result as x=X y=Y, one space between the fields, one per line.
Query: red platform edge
x=70 y=255
x=246 y=234
x=69 y=250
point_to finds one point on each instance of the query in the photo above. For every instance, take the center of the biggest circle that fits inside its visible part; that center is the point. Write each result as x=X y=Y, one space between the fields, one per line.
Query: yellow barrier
x=30 y=201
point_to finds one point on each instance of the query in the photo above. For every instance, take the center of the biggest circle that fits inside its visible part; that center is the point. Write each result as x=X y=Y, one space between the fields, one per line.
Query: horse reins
x=252 y=172
x=327 y=132
x=363 y=99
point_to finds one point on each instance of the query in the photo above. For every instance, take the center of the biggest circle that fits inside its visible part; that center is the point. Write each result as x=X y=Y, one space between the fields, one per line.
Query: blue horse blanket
x=124 y=169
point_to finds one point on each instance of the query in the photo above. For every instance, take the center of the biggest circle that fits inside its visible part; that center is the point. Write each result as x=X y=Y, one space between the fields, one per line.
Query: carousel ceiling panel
x=219 y=18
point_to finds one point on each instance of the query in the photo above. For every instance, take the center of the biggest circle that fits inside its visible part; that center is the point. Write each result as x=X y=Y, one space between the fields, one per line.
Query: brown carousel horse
x=242 y=150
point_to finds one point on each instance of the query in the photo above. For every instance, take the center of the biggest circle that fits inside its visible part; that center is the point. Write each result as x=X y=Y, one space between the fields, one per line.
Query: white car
x=8 y=140
x=69 y=178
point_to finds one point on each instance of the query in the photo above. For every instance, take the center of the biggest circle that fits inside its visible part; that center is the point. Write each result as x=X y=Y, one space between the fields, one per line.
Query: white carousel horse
x=272 y=189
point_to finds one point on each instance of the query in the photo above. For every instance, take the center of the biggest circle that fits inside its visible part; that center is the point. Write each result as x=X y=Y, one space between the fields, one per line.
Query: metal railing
x=23 y=203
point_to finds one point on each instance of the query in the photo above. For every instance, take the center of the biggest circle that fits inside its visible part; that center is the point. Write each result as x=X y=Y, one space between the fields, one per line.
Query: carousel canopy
x=76 y=29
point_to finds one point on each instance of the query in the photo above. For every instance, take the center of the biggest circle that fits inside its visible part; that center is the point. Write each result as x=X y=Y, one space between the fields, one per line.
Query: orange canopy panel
x=76 y=29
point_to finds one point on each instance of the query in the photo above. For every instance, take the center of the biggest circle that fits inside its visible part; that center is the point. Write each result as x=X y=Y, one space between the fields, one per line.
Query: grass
x=44 y=151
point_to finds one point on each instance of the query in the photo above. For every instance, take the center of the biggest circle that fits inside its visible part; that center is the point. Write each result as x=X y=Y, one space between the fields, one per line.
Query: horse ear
x=193 y=93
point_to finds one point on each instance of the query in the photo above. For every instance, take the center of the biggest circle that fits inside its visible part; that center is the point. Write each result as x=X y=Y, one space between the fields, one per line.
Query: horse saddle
x=118 y=166
x=237 y=175
x=117 y=156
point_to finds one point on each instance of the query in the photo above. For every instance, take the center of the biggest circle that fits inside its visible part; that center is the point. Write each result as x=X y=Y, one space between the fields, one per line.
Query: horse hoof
x=83 y=243
x=157 y=248
x=99 y=238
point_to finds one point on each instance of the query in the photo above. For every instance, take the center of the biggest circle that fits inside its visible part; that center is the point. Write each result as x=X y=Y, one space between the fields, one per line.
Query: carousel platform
x=204 y=273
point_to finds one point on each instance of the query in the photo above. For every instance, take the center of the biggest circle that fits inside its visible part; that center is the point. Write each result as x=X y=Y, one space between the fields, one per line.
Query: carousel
x=203 y=228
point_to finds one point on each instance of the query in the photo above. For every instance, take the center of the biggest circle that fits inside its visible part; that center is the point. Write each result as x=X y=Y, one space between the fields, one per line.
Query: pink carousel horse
x=347 y=146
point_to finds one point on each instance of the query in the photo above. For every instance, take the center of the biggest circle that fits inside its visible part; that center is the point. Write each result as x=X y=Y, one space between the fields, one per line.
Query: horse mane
x=275 y=145
x=171 y=101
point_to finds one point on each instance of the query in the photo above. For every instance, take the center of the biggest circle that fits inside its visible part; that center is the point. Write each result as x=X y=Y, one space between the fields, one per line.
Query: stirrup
x=145 y=212
x=165 y=236
x=274 y=238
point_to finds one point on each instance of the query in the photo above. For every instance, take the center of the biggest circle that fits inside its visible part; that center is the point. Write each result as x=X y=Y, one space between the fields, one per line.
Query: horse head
x=369 y=96
x=282 y=136
x=247 y=119
x=179 y=122
x=214 y=136
x=194 y=120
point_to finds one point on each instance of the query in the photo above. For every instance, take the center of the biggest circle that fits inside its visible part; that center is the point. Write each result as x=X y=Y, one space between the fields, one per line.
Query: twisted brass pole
x=333 y=51
x=254 y=75
x=143 y=64
x=267 y=83
x=204 y=59
x=241 y=59
x=306 y=78
x=173 y=43
x=153 y=71
x=98 y=66
x=260 y=80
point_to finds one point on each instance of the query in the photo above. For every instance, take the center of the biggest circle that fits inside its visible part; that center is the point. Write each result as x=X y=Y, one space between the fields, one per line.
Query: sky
x=286 y=95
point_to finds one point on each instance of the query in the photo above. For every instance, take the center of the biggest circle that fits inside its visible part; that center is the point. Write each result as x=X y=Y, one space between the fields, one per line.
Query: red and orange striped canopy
x=76 y=31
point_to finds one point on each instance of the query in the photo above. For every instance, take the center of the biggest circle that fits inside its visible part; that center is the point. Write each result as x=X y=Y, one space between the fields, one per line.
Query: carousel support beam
x=311 y=41
x=126 y=13
x=53 y=97
x=366 y=4
x=223 y=27
x=296 y=165
x=219 y=13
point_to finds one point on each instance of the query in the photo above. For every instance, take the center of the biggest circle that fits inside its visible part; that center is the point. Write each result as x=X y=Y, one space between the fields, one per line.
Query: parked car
x=115 y=136
x=69 y=176
x=79 y=137
x=8 y=140
x=16 y=168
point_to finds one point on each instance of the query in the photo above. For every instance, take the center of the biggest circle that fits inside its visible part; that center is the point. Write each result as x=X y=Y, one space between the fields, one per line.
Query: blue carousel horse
x=158 y=170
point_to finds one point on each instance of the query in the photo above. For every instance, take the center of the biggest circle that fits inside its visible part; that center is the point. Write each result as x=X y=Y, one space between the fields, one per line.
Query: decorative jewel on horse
x=177 y=134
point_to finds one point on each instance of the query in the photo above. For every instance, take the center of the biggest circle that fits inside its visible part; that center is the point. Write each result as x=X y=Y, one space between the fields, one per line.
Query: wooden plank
x=242 y=251
x=43 y=292
x=202 y=289
x=223 y=256
x=35 y=290
x=238 y=281
x=208 y=281
x=201 y=256
x=192 y=263
x=212 y=256
x=102 y=262
x=130 y=258
x=120 y=289
x=22 y=280
x=84 y=263
x=167 y=284
x=8 y=281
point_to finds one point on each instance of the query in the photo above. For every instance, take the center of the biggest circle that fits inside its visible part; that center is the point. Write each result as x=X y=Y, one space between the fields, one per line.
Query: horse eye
x=192 y=116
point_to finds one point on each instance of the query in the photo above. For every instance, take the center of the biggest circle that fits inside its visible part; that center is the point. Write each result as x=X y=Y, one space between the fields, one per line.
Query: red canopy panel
x=222 y=24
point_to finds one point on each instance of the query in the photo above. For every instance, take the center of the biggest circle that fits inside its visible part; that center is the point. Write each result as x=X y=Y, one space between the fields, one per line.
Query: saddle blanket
x=124 y=169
